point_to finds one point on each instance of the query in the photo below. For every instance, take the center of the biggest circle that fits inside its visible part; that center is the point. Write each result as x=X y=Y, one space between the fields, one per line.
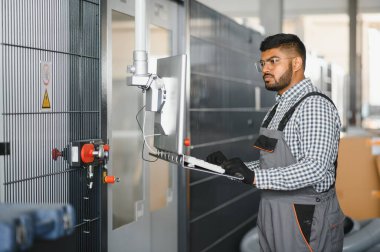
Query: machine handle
x=86 y=153
x=111 y=179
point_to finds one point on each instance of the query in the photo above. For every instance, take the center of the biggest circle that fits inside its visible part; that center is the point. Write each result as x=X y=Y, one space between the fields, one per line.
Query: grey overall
x=299 y=220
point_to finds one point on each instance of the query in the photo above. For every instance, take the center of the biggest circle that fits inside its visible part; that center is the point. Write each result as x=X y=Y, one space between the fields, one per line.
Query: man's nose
x=266 y=68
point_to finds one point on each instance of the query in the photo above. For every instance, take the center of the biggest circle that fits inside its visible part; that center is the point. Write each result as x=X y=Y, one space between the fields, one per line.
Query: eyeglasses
x=271 y=63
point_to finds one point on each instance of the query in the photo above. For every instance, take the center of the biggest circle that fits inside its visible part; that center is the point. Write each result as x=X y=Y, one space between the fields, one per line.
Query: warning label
x=46 y=86
x=46 y=102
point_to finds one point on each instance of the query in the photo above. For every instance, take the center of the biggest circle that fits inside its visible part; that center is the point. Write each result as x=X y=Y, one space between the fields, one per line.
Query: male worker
x=298 y=145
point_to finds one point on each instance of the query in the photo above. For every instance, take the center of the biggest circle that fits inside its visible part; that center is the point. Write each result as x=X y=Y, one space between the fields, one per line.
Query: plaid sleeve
x=317 y=132
x=253 y=165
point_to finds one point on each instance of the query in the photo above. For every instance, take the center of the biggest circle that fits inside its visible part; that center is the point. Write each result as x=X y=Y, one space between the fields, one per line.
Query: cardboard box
x=358 y=180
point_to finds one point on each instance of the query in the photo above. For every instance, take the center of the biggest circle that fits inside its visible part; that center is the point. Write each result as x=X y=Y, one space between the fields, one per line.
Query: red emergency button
x=106 y=147
x=87 y=153
x=187 y=142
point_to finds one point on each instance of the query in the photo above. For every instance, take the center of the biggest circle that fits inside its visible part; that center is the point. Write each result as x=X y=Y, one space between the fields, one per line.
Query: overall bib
x=298 y=220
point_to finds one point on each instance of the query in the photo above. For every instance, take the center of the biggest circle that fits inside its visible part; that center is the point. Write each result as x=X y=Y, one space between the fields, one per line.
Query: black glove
x=216 y=158
x=235 y=166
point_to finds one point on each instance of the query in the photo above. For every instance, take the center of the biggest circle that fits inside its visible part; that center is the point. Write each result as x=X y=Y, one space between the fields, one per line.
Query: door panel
x=142 y=207
x=125 y=135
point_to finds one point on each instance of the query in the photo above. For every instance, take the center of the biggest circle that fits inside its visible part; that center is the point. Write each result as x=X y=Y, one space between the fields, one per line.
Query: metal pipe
x=140 y=56
x=140 y=28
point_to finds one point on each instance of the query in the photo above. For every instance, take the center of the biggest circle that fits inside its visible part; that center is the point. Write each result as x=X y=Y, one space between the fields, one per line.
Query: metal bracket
x=139 y=209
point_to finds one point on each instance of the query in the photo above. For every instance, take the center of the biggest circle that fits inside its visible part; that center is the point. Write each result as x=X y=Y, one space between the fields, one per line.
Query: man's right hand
x=216 y=158
x=236 y=166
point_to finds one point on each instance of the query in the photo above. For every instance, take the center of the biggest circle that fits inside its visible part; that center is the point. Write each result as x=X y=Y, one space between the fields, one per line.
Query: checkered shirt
x=312 y=134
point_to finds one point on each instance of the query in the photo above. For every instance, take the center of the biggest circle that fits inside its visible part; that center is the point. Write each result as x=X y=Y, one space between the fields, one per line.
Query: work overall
x=298 y=220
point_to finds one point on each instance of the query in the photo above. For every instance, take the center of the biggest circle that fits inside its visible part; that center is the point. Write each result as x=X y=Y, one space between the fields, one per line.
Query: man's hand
x=236 y=166
x=216 y=158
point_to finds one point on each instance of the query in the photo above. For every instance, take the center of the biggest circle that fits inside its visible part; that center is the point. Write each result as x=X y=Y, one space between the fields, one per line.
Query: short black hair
x=283 y=40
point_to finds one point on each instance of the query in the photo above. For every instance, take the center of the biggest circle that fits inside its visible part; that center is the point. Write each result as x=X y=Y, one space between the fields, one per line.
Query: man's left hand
x=236 y=166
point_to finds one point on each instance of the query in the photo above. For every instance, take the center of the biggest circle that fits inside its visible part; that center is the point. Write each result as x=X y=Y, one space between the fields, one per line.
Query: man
x=298 y=145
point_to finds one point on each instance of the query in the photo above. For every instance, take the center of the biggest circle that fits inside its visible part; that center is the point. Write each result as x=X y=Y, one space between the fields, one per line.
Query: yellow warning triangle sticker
x=46 y=102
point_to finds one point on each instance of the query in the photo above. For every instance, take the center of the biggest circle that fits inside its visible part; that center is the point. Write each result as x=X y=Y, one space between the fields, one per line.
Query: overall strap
x=290 y=112
x=270 y=117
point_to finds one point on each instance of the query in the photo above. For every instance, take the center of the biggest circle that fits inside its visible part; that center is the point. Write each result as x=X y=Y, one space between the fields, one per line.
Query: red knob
x=186 y=142
x=55 y=153
x=86 y=153
x=109 y=179
x=106 y=147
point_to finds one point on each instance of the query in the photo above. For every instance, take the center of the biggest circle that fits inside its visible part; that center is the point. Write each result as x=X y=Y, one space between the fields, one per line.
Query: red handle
x=55 y=153
x=86 y=153
x=109 y=179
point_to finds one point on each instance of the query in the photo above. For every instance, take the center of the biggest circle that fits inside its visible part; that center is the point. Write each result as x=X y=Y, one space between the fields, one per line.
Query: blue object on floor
x=21 y=224
x=53 y=222
x=16 y=230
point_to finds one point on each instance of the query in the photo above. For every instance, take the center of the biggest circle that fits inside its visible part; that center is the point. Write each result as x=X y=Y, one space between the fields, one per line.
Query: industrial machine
x=87 y=154
x=165 y=95
x=21 y=224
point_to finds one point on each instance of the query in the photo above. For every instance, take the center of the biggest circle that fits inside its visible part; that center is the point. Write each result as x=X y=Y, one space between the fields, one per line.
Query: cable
x=142 y=131
x=144 y=136
x=138 y=119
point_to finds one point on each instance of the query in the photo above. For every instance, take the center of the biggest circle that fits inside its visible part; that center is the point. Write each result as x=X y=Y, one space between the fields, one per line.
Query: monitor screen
x=169 y=123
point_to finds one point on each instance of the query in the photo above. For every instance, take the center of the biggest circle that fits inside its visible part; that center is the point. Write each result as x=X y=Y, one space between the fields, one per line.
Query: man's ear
x=297 y=63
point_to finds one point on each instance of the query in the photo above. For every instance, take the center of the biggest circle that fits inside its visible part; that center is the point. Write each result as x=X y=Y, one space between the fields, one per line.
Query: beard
x=282 y=83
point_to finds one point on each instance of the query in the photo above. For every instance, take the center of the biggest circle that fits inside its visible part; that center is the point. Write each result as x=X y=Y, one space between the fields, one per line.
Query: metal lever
x=180 y=161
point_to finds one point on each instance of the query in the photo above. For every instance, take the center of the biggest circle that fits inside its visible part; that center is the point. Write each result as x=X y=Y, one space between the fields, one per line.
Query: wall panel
x=65 y=34
x=227 y=104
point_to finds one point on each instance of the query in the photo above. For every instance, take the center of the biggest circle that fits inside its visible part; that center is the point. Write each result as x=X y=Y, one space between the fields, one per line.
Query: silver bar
x=228 y=47
x=2 y=98
x=229 y=140
x=225 y=204
x=226 y=78
x=229 y=109
x=48 y=50
x=237 y=228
